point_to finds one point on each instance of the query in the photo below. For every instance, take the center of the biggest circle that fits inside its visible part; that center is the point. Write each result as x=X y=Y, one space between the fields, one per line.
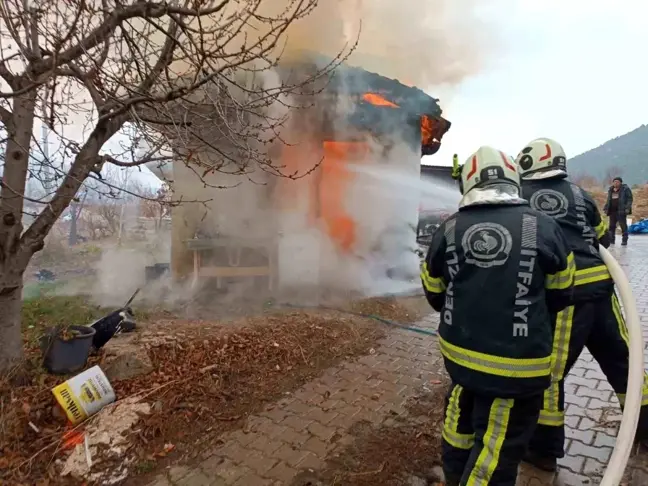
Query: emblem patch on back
x=487 y=245
x=550 y=202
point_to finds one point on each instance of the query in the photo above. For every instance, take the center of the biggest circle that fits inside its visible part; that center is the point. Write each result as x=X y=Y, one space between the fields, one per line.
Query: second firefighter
x=497 y=271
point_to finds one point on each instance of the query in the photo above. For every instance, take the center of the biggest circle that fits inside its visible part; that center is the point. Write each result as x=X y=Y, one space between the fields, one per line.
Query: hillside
x=626 y=155
x=599 y=192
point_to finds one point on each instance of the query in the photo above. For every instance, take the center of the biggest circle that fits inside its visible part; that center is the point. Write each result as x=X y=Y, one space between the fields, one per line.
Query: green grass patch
x=34 y=290
x=92 y=249
x=58 y=310
x=51 y=311
x=144 y=467
x=43 y=311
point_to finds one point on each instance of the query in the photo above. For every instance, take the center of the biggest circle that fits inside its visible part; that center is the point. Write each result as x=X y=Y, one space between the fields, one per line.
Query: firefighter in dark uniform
x=497 y=271
x=595 y=320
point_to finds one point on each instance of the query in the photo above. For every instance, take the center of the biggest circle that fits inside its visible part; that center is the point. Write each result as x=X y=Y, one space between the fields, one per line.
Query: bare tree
x=586 y=181
x=190 y=71
x=611 y=173
x=76 y=207
x=91 y=190
x=109 y=213
x=155 y=204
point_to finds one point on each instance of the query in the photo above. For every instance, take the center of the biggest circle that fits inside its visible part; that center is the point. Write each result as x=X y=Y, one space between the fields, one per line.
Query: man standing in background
x=618 y=206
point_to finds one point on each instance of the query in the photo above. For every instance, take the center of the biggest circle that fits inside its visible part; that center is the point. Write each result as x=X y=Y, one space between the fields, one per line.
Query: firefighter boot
x=529 y=475
x=445 y=479
x=544 y=463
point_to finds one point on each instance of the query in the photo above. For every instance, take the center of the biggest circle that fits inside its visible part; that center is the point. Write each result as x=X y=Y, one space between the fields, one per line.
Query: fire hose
x=625 y=437
x=376 y=318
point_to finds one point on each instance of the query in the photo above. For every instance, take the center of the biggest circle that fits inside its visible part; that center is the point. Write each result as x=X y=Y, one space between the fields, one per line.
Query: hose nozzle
x=456 y=171
x=456 y=168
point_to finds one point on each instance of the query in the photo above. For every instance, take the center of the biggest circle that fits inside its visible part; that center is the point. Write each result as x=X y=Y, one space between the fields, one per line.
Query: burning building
x=347 y=223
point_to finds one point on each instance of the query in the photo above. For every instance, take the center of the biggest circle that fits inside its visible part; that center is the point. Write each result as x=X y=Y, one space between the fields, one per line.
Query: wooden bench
x=233 y=247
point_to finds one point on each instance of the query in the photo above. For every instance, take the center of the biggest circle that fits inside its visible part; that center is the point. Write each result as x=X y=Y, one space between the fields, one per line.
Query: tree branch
x=83 y=164
x=145 y=160
x=7 y=119
x=38 y=71
x=6 y=74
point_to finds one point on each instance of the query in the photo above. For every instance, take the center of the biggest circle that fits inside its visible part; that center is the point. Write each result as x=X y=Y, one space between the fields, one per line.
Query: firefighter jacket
x=579 y=218
x=498 y=274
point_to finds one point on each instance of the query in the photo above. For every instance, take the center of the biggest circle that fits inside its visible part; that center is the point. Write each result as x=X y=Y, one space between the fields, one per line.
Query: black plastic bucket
x=154 y=272
x=62 y=357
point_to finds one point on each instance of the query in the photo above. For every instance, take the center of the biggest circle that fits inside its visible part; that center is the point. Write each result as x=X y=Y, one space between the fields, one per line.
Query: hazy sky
x=572 y=70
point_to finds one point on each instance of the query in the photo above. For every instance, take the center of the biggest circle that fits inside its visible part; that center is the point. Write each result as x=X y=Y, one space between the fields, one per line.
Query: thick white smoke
x=427 y=44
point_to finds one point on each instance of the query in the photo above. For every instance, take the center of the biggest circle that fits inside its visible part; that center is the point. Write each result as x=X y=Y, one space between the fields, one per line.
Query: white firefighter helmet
x=542 y=158
x=488 y=166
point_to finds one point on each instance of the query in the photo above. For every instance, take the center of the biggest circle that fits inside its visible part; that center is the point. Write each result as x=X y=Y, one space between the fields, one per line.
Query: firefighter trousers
x=598 y=325
x=484 y=438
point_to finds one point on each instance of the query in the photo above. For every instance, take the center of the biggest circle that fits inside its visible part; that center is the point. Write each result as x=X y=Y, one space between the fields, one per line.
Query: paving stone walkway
x=298 y=432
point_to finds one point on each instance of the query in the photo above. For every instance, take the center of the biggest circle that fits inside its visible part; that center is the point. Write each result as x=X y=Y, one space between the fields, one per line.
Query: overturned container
x=84 y=394
x=66 y=349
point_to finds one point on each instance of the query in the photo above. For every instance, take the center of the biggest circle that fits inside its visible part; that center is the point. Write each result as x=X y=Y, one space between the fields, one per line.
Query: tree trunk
x=11 y=350
x=72 y=237
x=13 y=257
x=75 y=212
x=11 y=286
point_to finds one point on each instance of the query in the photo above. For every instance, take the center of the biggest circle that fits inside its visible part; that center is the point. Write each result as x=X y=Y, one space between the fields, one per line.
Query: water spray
x=625 y=437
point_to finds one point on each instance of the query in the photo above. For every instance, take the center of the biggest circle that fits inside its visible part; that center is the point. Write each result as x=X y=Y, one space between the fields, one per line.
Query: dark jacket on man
x=621 y=205
x=617 y=207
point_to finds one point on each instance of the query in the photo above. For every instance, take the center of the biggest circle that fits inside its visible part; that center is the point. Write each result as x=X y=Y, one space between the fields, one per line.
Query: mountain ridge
x=625 y=156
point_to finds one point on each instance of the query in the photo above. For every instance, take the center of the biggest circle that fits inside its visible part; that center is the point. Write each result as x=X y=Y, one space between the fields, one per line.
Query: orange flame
x=376 y=99
x=336 y=176
x=427 y=130
x=429 y=126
